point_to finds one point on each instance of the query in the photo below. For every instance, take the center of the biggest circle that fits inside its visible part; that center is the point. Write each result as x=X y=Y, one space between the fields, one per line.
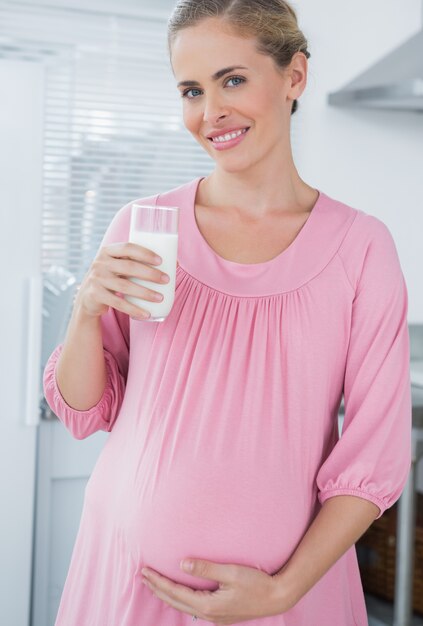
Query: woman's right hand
x=108 y=275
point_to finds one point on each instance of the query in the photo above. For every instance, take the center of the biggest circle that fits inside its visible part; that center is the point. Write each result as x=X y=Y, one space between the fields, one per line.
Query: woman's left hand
x=244 y=593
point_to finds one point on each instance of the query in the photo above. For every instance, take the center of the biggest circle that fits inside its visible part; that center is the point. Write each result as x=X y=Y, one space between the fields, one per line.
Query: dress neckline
x=294 y=243
x=307 y=255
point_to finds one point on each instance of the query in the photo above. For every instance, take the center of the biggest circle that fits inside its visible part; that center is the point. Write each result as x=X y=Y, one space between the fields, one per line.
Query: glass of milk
x=156 y=228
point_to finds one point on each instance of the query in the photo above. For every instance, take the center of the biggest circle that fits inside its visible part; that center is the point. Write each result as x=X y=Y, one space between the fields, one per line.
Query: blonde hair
x=273 y=23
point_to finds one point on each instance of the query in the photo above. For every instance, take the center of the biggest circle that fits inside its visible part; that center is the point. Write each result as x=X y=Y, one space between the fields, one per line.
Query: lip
x=224 y=131
x=227 y=145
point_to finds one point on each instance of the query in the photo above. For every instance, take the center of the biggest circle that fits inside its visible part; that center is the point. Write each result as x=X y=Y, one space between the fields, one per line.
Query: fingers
x=135 y=251
x=222 y=572
x=249 y=594
x=120 y=304
x=136 y=269
x=114 y=271
x=177 y=595
x=129 y=288
x=173 y=601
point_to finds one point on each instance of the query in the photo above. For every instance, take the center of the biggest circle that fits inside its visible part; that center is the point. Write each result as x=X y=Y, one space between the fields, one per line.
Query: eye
x=237 y=78
x=185 y=93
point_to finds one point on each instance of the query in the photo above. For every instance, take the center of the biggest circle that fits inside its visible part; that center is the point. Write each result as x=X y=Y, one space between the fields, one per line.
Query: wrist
x=284 y=596
x=80 y=312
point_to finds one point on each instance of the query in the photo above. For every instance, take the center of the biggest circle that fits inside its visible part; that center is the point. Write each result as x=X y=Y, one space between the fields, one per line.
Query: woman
x=223 y=445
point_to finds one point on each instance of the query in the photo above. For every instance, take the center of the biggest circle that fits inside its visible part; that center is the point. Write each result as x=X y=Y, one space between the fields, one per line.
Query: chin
x=231 y=165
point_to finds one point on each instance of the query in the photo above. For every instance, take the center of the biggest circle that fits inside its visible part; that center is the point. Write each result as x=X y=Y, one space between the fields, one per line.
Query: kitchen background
x=89 y=119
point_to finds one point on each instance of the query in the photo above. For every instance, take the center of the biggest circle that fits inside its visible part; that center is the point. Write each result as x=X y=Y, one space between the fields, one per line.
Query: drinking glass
x=156 y=228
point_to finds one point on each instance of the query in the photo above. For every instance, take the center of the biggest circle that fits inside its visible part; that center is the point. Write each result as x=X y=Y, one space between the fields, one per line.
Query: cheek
x=264 y=105
x=192 y=119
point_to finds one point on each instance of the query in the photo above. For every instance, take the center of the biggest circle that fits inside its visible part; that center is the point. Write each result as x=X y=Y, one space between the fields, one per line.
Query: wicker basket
x=376 y=556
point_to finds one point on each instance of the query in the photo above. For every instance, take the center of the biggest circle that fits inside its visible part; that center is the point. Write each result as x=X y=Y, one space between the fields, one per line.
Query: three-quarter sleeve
x=373 y=456
x=102 y=415
x=115 y=333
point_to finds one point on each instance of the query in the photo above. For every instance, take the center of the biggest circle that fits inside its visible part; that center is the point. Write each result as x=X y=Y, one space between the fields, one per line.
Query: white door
x=63 y=468
x=21 y=124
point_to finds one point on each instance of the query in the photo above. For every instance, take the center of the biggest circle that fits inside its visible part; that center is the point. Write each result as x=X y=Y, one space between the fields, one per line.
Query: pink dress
x=223 y=419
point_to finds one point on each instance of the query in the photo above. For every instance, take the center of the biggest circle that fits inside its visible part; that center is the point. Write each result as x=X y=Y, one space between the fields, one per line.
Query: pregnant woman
x=224 y=448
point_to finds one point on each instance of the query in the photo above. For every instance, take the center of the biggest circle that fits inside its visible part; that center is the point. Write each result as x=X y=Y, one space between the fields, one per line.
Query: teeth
x=230 y=136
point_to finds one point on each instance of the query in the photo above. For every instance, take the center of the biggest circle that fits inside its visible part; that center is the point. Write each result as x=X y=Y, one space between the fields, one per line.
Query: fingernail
x=187 y=565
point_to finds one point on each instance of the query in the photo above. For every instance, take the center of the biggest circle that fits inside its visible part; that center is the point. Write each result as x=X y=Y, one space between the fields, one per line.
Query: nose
x=214 y=110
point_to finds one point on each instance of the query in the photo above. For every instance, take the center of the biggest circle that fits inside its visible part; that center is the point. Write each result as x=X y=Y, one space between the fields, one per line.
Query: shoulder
x=368 y=245
x=361 y=227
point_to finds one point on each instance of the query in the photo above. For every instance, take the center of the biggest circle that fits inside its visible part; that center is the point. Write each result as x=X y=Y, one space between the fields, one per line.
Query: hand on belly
x=240 y=593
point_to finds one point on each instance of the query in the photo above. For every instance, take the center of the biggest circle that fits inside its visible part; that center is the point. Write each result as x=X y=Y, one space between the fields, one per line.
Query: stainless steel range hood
x=393 y=83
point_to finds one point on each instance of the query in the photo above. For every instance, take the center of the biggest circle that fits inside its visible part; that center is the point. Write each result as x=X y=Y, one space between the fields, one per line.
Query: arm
x=114 y=357
x=366 y=470
x=84 y=378
x=339 y=524
x=81 y=367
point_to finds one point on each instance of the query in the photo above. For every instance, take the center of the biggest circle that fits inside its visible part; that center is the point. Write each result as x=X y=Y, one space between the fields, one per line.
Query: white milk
x=166 y=246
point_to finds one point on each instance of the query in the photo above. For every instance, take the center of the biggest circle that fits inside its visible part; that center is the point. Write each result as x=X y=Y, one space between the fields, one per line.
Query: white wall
x=372 y=160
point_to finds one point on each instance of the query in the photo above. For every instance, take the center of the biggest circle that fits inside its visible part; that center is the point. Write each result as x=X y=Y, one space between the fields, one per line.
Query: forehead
x=209 y=45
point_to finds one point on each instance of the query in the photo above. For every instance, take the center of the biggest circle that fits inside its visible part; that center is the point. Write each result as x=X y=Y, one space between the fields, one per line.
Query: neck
x=255 y=196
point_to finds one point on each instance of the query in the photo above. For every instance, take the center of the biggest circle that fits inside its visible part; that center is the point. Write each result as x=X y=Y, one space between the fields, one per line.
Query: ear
x=298 y=74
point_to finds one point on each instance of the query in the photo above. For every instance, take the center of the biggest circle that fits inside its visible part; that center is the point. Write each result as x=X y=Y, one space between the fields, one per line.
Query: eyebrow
x=216 y=76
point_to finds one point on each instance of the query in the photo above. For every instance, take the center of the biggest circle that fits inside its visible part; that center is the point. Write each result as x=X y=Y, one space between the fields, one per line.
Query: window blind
x=113 y=121
x=113 y=131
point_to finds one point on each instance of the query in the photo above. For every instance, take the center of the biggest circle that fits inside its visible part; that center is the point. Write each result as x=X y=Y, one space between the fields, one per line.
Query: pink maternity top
x=223 y=418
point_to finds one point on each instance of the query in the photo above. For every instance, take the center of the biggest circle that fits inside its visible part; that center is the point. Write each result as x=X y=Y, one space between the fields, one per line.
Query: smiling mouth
x=229 y=136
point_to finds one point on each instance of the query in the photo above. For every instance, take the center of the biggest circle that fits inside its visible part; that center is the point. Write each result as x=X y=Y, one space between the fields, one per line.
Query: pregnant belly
x=215 y=509
x=219 y=492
